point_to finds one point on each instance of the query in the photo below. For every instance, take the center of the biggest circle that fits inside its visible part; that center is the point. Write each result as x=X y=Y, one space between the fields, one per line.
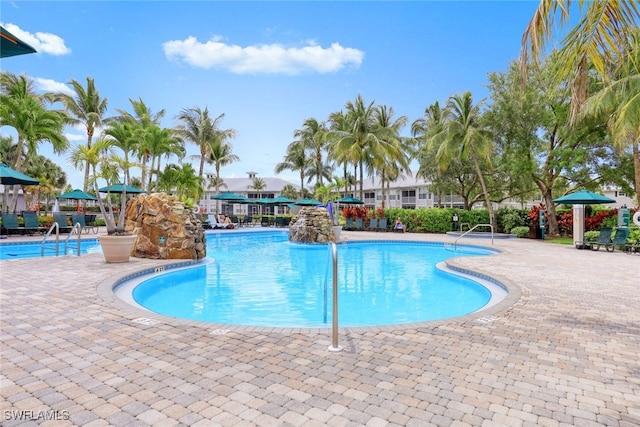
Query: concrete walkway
x=564 y=352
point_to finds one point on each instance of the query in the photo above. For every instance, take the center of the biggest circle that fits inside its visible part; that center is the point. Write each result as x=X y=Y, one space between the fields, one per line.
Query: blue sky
x=267 y=66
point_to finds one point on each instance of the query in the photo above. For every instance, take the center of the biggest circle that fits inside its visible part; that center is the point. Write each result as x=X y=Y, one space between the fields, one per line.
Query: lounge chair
x=382 y=224
x=31 y=223
x=603 y=238
x=10 y=223
x=373 y=224
x=213 y=222
x=348 y=224
x=63 y=224
x=619 y=239
x=79 y=218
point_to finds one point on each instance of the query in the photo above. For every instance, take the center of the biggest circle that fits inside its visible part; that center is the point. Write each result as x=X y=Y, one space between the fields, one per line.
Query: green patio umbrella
x=230 y=197
x=9 y=176
x=579 y=198
x=77 y=195
x=10 y=45
x=583 y=197
x=308 y=202
x=282 y=200
x=349 y=200
x=117 y=188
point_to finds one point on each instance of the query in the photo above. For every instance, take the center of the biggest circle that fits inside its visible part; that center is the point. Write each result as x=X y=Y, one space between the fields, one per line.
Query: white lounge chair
x=212 y=220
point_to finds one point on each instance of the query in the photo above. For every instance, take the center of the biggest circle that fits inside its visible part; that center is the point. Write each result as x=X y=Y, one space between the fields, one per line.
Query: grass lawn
x=560 y=240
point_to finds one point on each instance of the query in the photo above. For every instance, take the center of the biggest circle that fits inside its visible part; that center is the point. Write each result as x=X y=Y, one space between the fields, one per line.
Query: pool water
x=20 y=250
x=262 y=279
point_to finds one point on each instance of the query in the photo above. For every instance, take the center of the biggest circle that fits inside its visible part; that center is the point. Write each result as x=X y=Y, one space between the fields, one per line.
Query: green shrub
x=520 y=231
x=508 y=218
x=591 y=236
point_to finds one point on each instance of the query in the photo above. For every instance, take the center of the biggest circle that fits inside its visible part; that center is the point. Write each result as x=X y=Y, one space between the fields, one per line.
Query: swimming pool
x=18 y=250
x=262 y=279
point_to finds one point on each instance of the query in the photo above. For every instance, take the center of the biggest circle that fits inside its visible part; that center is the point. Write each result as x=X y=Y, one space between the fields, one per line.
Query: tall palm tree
x=602 y=36
x=197 y=126
x=462 y=135
x=619 y=102
x=220 y=154
x=85 y=107
x=296 y=159
x=360 y=132
x=312 y=136
x=388 y=153
x=161 y=142
x=25 y=111
x=123 y=134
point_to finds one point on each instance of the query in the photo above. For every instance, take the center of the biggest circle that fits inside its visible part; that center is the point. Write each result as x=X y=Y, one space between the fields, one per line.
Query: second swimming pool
x=262 y=279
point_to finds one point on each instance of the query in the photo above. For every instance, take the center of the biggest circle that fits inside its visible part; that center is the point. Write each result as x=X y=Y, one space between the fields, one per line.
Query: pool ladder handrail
x=455 y=243
x=78 y=229
x=56 y=227
x=334 y=347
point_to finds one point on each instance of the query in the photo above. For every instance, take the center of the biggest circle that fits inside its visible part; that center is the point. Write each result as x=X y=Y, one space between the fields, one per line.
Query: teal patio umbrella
x=349 y=200
x=9 y=176
x=117 y=188
x=308 y=202
x=578 y=199
x=230 y=197
x=10 y=45
x=583 y=197
x=77 y=195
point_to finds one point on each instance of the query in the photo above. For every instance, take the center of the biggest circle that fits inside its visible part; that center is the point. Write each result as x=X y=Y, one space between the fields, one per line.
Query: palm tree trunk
x=636 y=167
x=487 y=201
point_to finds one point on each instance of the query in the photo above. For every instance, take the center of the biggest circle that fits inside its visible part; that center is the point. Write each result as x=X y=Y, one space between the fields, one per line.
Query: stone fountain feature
x=165 y=228
x=311 y=225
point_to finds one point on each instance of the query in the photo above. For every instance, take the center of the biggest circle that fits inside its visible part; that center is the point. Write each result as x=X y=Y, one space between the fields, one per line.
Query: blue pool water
x=262 y=279
x=20 y=250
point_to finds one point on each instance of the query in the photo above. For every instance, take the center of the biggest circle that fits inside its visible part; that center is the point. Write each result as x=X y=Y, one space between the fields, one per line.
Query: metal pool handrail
x=78 y=229
x=44 y=240
x=455 y=244
x=334 y=340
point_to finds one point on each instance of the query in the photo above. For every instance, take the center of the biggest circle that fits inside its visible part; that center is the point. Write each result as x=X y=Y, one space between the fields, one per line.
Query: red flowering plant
x=533 y=217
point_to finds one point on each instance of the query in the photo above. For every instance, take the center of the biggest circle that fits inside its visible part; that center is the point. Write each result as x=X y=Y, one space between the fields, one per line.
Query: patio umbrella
x=583 y=197
x=578 y=199
x=230 y=197
x=77 y=195
x=308 y=202
x=282 y=200
x=350 y=201
x=117 y=188
x=10 y=45
x=9 y=176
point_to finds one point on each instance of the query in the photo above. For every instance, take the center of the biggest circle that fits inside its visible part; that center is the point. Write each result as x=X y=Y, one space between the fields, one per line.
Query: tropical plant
x=25 y=111
x=462 y=134
x=85 y=107
x=296 y=159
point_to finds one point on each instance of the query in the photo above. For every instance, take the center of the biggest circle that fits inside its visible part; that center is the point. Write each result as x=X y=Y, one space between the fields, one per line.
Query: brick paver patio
x=565 y=351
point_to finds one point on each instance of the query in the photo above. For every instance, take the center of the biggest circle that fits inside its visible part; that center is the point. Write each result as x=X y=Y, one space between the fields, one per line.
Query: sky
x=267 y=66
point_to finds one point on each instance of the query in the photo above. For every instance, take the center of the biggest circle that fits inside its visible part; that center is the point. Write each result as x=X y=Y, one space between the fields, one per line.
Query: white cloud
x=270 y=59
x=48 y=85
x=42 y=42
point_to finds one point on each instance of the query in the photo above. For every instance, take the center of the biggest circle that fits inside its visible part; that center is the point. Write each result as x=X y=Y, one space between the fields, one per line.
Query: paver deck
x=565 y=352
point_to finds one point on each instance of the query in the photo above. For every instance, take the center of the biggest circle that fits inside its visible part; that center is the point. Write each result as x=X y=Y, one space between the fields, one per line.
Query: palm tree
x=220 y=154
x=462 y=135
x=312 y=137
x=85 y=107
x=198 y=128
x=25 y=111
x=603 y=36
x=296 y=159
x=123 y=135
x=619 y=102
x=388 y=153
x=161 y=142
x=360 y=131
